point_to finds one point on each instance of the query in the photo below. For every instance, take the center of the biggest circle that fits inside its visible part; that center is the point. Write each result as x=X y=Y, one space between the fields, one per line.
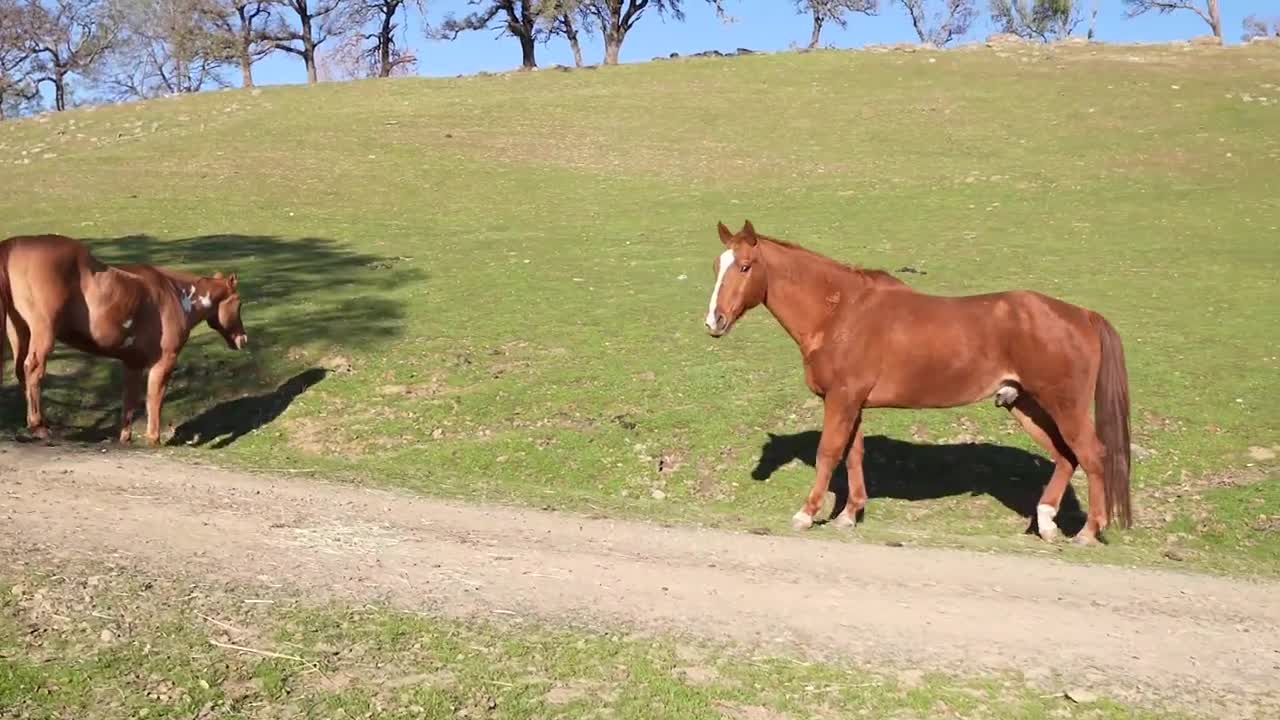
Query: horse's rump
x=85 y=302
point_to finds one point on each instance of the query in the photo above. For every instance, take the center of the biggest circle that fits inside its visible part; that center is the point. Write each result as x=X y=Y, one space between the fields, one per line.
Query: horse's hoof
x=1044 y=522
x=40 y=433
x=125 y=438
x=844 y=520
x=153 y=441
x=1084 y=539
x=801 y=521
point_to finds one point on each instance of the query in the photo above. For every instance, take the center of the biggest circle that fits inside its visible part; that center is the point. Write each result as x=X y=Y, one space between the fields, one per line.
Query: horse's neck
x=181 y=287
x=802 y=299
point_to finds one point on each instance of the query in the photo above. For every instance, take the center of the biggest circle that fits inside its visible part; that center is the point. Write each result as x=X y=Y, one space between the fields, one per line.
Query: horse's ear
x=748 y=232
x=232 y=281
x=726 y=235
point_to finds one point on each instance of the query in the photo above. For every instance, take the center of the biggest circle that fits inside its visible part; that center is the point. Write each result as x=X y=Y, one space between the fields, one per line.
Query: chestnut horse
x=53 y=288
x=868 y=340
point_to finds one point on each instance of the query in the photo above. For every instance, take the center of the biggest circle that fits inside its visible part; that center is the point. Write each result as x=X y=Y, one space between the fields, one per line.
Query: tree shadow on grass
x=910 y=471
x=295 y=293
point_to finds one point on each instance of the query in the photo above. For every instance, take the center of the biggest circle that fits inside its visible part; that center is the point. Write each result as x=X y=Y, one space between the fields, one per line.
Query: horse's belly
x=98 y=338
x=936 y=385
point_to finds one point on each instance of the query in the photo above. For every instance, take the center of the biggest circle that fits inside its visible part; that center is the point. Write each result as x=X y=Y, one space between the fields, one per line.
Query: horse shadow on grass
x=296 y=292
x=227 y=422
x=910 y=471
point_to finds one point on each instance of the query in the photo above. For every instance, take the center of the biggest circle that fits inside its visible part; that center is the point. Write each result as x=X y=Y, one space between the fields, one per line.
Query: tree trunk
x=577 y=52
x=309 y=50
x=246 y=69
x=528 y=58
x=59 y=90
x=246 y=46
x=384 y=45
x=612 y=49
x=1093 y=20
x=571 y=34
x=1215 y=19
x=817 y=31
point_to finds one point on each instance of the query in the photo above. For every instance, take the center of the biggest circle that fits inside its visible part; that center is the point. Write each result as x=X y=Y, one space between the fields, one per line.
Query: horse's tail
x=1111 y=413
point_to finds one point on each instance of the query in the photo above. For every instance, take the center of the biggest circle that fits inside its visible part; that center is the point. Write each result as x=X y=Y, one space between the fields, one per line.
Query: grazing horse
x=869 y=340
x=53 y=288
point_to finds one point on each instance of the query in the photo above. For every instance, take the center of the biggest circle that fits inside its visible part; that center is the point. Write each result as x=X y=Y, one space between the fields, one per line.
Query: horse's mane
x=182 y=277
x=874 y=276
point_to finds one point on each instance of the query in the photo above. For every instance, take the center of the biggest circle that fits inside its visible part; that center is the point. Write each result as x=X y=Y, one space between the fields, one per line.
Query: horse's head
x=740 y=279
x=225 y=317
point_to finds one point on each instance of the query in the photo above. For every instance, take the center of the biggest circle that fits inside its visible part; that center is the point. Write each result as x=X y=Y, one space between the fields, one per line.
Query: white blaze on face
x=726 y=262
x=206 y=301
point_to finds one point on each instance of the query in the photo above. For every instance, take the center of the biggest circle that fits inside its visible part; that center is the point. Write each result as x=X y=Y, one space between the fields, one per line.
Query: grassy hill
x=492 y=287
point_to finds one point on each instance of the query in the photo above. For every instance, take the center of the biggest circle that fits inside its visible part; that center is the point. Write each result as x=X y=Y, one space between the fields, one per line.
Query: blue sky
x=760 y=25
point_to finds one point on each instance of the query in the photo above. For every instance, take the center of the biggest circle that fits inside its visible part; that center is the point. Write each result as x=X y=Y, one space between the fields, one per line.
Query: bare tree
x=342 y=59
x=824 y=11
x=1206 y=9
x=517 y=18
x=380 y=18
x=17 y=86
x=244 y=24
x=953 y=22
x=1093 y=18
x=1256 y=27
x=566 y=18
x=169 y=47
x=69 y=37
x=1043 y=20
x=317 y=22
x=615 y=18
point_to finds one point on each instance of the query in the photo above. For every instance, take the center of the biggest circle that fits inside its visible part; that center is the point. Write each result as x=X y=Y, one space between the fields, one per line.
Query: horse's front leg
x=839 y=418
x=857 y=497
x=157 y=383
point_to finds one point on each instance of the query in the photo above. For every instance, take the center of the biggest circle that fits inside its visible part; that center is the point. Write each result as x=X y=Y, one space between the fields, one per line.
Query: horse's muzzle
x=719 y=327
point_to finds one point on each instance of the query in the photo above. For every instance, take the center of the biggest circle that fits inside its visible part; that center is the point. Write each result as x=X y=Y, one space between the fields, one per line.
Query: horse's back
x=1029 y=309
x=959 y=348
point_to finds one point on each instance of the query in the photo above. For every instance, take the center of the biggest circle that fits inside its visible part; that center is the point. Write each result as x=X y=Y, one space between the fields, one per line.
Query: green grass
x=507 y=274
x=115 y=647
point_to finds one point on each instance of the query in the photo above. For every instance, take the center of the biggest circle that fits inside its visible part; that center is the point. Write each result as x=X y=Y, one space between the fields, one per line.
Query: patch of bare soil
x=1201 y=642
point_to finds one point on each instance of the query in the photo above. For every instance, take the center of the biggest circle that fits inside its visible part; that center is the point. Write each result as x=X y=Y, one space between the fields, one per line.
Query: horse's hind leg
x=1079 y=432
x=1076 y=429
x=134 y=385
x=18 y=336
x=1041 y=427
x=40 y=344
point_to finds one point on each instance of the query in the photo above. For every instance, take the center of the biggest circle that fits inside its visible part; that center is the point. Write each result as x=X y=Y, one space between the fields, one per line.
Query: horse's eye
x=746 y=268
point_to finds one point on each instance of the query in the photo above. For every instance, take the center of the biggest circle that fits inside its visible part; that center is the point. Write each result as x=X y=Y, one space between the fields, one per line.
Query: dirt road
x=1201 y=641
